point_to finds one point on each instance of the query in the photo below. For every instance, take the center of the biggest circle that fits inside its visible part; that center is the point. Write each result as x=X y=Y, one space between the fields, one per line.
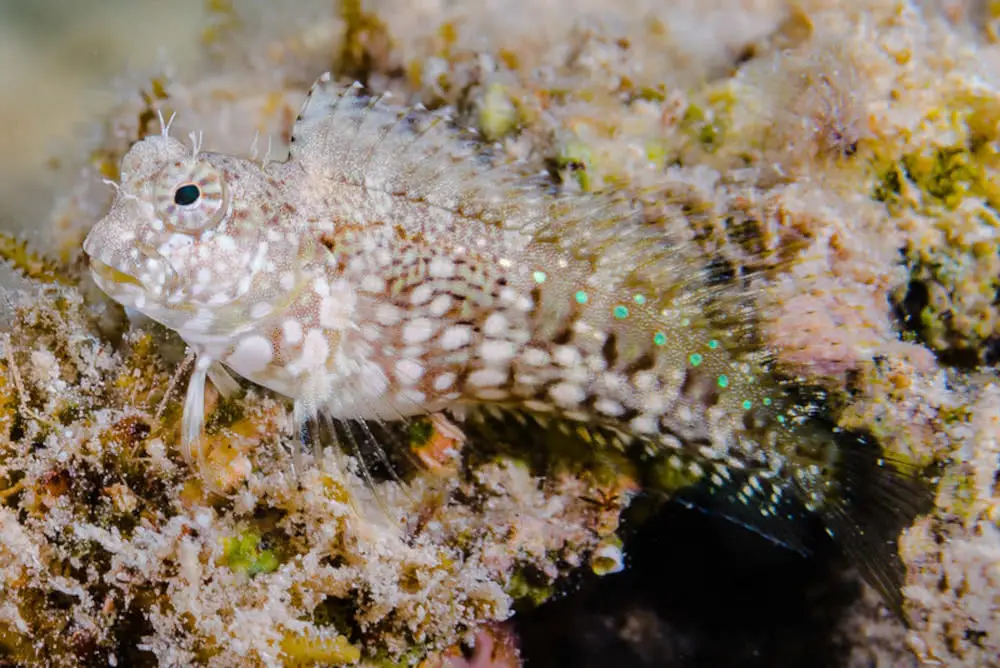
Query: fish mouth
x=112 y=275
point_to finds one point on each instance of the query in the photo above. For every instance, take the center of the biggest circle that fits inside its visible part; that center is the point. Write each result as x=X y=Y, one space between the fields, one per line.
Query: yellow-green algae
x=498 y=116
x=243 y=553
x=31 y=264
x=958 y=264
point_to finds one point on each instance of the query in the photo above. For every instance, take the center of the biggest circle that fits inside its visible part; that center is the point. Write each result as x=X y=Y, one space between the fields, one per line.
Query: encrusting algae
x=780 y=296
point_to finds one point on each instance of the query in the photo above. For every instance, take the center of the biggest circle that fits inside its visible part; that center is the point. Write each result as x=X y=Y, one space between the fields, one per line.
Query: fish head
x=204 y=243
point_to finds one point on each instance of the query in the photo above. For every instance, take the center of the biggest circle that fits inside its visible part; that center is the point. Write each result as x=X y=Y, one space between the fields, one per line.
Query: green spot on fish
x=621 y=312
x=723 y=381
x=695 y=359
x=539 y=277
x=581 y=297
x=659 y=338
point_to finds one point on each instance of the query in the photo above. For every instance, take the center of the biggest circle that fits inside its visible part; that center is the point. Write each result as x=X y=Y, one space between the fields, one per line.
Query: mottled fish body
x=388 y=269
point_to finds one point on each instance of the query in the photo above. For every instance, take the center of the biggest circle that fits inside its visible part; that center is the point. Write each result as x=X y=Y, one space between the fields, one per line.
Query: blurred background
x=58 y=63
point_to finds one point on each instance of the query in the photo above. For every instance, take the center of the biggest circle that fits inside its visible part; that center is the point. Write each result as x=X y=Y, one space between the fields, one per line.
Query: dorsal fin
x=354 y=138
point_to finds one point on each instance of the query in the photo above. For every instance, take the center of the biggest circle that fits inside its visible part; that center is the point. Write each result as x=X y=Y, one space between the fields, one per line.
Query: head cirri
x=200 y=242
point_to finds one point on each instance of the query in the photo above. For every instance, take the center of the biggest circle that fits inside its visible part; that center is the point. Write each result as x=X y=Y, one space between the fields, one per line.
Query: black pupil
x=187 y=195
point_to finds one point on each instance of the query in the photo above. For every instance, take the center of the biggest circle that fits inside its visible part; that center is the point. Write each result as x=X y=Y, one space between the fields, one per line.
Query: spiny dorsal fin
x=353 y=138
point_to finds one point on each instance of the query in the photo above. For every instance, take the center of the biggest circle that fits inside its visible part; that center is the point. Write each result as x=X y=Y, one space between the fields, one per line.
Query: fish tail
x=875 y=498
x=862 y=498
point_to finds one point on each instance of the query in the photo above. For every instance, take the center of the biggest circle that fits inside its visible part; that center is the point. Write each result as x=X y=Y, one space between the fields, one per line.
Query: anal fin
x=764 y=507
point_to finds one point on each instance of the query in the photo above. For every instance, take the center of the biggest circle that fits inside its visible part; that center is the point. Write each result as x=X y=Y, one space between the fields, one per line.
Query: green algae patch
x=888 y=182
x=948 y=176
x=419 y=432
x=229 y=412
x=244 y=554
x=962 y=494
x=702 y=125
x=707 y=120
x=498 y=116
x=577 y=159
x=529 y=588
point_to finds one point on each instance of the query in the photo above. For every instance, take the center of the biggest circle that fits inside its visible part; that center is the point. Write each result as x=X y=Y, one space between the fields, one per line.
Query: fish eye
x=187 y=194
x=191 y=197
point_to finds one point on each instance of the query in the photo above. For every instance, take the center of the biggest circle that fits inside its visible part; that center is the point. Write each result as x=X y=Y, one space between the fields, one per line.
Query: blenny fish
x=391 y=267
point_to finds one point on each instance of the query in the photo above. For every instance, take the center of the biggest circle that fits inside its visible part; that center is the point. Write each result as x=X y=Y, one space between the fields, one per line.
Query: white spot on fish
x=315 y=352
x=567 y=395
x=609 y=407
x=421 y=294
x=456 y=337
x=644 y=424
x=440 y=305
x=444 y=381
x=291 y=331
x=252 y=354
x=441 y=267
x=487 y=377
x=495 y=325
x=567 y=356
x=409 y=371
x=418 y=330
x=336 y=309
x=535 y=357
x=494 y=351
x=260 y=310
x=388 y=314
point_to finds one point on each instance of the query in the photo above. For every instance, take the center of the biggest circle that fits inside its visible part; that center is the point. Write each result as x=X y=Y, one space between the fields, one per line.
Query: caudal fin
x=878 y=498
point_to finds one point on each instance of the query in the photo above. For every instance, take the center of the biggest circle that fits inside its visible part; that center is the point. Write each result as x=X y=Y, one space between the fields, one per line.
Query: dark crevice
x=908 y=310
x=699 y=591
x=908 y=313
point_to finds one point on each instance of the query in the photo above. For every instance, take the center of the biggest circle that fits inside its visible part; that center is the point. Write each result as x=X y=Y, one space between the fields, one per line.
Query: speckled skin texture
x=387 y=269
